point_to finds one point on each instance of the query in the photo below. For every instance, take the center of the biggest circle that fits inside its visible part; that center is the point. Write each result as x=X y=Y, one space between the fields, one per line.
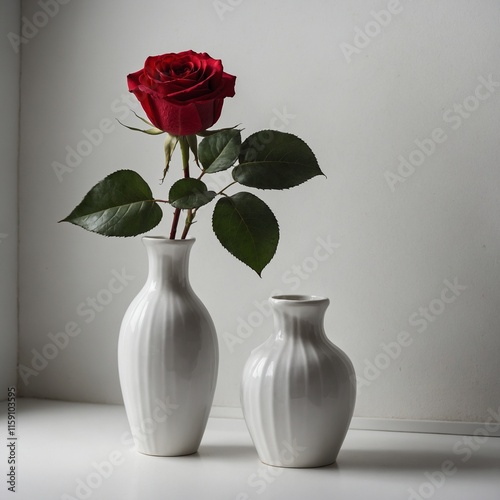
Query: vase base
x=176 y=454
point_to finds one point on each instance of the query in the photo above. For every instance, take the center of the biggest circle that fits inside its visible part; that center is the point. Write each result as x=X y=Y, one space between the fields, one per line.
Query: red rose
x=183 y=93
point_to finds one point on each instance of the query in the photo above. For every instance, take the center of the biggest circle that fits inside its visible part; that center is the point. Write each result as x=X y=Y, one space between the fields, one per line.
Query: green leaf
x=120 y=205
x=219 y=151
x=170 y=143
x=193 y=146
x=247 y=228
x=189 y=193
x=270 y=159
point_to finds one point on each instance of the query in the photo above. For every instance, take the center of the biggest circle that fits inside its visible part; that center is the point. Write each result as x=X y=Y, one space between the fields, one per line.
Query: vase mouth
x=167 y=239
x=299 y=299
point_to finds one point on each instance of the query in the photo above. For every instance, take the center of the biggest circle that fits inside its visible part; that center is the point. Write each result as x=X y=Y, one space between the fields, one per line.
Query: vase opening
x=165 y=238
x=300 y=298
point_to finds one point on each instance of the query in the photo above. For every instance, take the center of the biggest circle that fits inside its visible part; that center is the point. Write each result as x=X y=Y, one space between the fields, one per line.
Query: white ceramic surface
x=167 y=355
x=298 y=389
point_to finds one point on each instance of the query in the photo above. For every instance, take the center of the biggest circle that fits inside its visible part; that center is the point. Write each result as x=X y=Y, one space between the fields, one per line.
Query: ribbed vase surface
x=167 y=355
x=298 y=389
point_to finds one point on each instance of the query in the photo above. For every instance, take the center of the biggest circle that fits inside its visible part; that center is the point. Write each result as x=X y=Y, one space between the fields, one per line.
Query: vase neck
x=299 y=316
x=168 y=260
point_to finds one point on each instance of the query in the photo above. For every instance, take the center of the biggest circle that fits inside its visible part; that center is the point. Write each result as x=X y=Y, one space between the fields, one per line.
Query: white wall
x=9 y=127
x=391 y=250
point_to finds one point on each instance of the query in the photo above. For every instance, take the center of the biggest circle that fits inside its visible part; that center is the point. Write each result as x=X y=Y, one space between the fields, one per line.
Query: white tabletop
x=73 y=451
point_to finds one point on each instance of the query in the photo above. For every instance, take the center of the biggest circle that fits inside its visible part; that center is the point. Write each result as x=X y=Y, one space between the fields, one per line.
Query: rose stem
x=175 y=221
x=189 y=220
x=185 y=167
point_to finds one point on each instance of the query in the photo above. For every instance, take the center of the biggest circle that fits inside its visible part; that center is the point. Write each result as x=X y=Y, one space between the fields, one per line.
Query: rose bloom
x=183 y=93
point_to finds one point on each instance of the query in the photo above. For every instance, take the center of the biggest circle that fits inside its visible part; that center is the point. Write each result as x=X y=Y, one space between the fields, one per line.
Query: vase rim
x=299 y=299
x=167 y=239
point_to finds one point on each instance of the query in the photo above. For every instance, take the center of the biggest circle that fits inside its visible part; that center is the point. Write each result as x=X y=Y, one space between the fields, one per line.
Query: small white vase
x=298 y=389
x=167 y=355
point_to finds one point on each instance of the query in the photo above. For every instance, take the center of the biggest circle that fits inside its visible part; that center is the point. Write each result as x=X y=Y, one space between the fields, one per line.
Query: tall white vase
x=298 y=389
x=167 y=355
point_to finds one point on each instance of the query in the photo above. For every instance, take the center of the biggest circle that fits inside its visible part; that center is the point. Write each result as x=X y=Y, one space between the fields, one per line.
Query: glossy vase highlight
x=298 y=389
x=167 y=355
